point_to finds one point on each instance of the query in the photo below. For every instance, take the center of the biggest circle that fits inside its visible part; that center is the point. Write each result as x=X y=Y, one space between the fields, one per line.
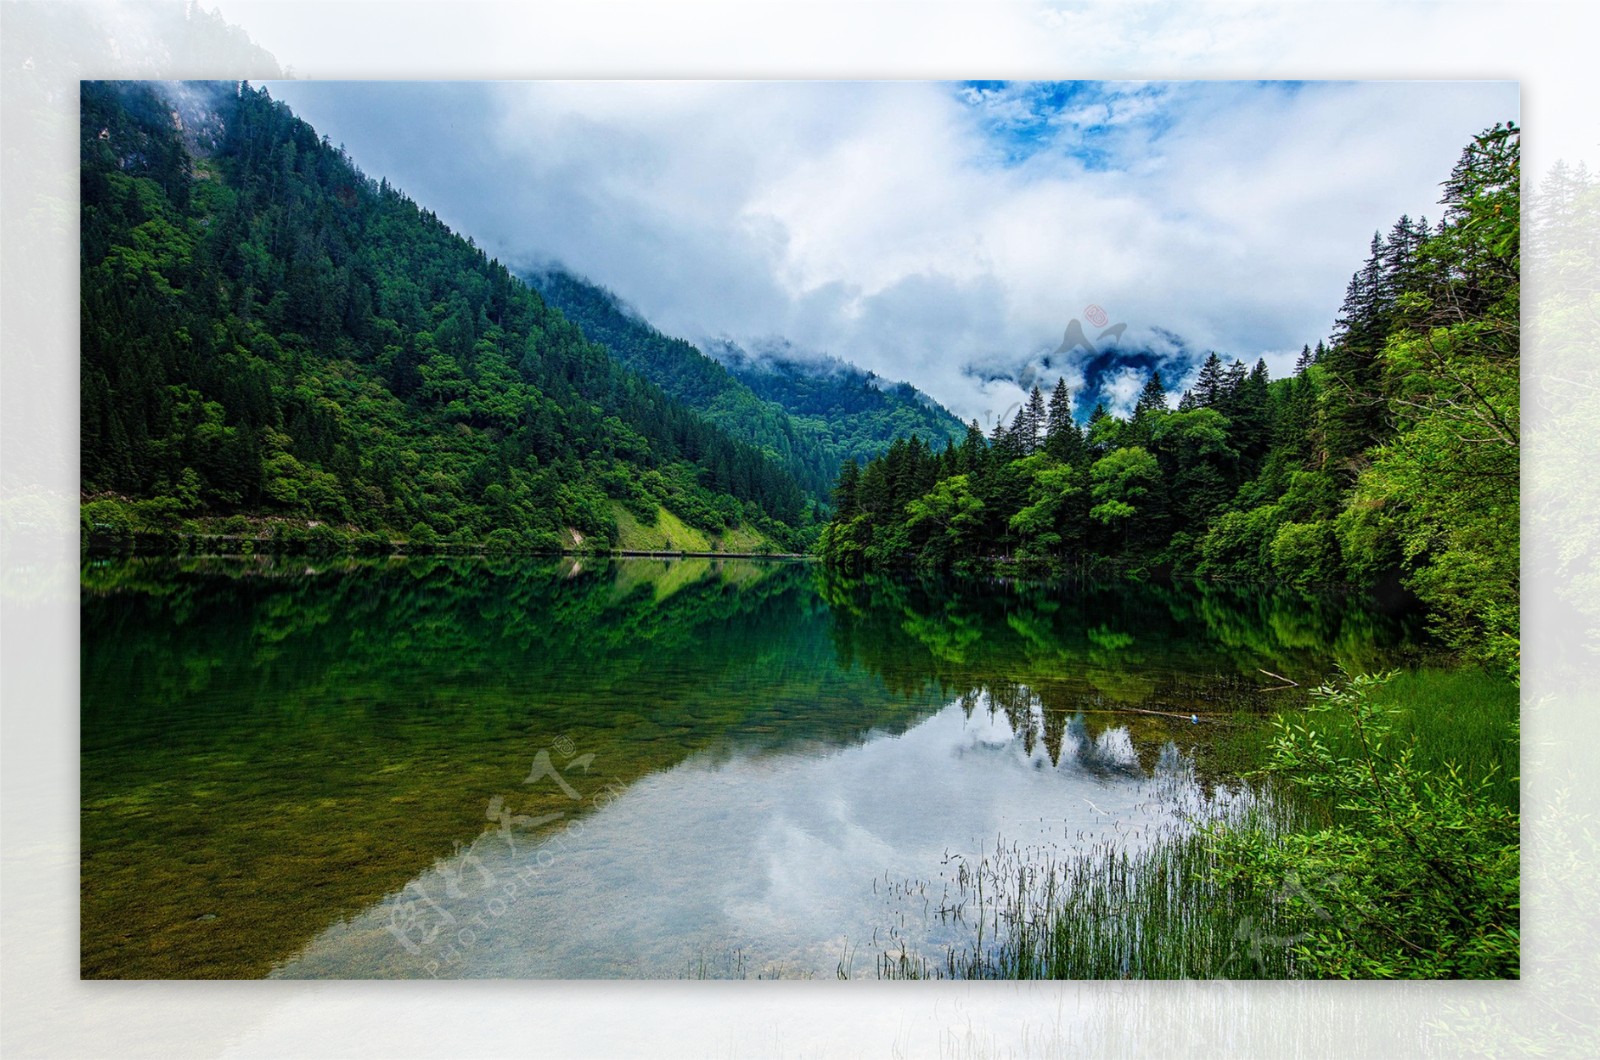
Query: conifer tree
x=1304 y=361
x=1037 y=421
x=974 y=449
x=1153 y=398
x=1209 y=388
x=1060 y=411
x=1063 y=439
x=846 y=502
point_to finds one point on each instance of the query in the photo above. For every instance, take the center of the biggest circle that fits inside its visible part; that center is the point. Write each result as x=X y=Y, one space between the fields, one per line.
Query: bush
x=1418 y=878
x=542 y=541
x=370 y=543
x=423 y=536
x=107 y=520
x=157 y=513
x=503 y=540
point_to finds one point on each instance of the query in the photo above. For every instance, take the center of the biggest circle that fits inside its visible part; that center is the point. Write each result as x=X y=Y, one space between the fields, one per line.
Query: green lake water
x=637 y=768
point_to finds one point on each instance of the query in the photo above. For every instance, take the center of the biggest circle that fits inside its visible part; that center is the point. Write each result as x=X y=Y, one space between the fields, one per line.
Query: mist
x=944 y=234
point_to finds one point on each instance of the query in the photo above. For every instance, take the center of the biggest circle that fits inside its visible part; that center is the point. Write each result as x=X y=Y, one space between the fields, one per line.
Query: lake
x=636 y=768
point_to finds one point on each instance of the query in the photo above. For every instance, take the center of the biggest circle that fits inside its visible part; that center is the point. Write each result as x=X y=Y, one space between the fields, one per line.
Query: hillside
x=862 y=413
x=269 y=334
x=811 y=415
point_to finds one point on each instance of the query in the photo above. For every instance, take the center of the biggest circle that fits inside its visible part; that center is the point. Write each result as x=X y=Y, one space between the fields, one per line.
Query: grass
x=668 y=534
x=672 y=534
x=1109 y=912
x=1463 y=715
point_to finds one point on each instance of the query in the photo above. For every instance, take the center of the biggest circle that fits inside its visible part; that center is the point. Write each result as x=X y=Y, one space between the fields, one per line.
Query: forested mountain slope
x=810 y=415
x=862 y=413
x=268 y=332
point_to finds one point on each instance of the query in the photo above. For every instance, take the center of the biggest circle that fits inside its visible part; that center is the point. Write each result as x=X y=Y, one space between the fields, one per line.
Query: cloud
x=939 y=233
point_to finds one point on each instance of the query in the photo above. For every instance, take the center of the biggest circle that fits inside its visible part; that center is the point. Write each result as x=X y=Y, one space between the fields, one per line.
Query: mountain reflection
x=270 y=747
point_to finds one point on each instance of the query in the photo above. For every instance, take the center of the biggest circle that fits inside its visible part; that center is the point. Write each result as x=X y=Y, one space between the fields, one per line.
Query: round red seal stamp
x=1096 y=316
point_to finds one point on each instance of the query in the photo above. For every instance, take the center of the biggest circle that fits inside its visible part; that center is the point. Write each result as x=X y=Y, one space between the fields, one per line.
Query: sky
x=942 y=233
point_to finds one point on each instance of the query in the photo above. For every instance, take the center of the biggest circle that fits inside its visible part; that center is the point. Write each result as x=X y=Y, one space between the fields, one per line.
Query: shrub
x=423 y=536
x=108 y=520
x=503 y=540
x=1419 y=876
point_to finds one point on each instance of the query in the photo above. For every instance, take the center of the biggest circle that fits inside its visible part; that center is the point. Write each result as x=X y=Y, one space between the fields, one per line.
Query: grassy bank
x=668 y=533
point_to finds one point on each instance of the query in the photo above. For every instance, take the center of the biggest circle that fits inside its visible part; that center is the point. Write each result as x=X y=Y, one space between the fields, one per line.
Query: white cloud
x=916 y=228
x=1119 y=390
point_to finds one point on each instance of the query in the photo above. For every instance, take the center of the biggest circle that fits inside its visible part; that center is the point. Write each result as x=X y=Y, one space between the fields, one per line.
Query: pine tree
x=1250 y=429
x=1060 y=412
x=974 y=450
x=1037 y=421
x=1153 y=398
x=1097 y=431
x=846 y=502
x=1233 y=380
x=1063 y=439
x=1209 y=385
x=1354 y=405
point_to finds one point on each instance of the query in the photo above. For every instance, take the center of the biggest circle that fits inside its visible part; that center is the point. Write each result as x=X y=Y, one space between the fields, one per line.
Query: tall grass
x=1110 y=911
x=1464 y=716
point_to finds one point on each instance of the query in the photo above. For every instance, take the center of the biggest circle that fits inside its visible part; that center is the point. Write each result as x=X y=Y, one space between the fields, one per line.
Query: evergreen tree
x=1010 y=444
x=974 y=450
x=1059 y=416
x=1063 y=440
x=1153 y=398
x=1251 y=419
x=1304 y=361
x=1210 y=387
x=846 y=500
x=1036 y=422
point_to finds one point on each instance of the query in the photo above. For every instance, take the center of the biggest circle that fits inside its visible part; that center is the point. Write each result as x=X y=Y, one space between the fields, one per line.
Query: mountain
x=864 y=413
x=689 y=376
x=1106 y=369
x=269 y=335
x=811 y=414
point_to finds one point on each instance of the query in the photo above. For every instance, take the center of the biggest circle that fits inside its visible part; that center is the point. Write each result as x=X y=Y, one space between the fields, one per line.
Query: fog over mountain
x=941 y=233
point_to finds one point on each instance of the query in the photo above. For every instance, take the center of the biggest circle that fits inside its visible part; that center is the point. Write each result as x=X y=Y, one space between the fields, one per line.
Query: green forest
x=275 y=346
x=1389 y=457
